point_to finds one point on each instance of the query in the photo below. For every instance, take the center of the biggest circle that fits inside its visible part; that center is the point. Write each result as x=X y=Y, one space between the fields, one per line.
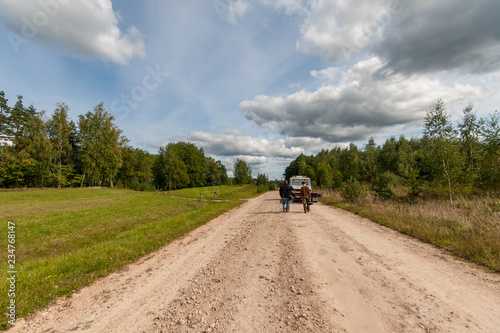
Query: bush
x=351 y=190
x=262 y=188
x=384 y=185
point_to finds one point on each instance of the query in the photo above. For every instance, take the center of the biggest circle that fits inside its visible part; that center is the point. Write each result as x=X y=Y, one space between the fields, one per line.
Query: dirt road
x=256 y=269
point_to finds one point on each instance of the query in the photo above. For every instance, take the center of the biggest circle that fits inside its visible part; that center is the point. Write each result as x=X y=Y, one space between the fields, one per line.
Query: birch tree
x=59 y=131
x=443 y=153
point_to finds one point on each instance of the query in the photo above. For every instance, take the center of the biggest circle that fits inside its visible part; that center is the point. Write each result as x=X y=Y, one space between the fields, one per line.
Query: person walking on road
x=286 y=195
x=305 y=196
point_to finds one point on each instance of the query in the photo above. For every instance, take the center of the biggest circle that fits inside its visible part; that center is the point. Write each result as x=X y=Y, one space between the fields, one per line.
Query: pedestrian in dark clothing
x=286 y=195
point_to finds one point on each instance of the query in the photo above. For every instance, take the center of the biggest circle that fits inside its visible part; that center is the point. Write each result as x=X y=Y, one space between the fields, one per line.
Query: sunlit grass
x=227 y=192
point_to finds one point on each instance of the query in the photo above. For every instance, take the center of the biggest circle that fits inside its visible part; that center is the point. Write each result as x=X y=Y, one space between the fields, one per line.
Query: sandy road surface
x=256 y=269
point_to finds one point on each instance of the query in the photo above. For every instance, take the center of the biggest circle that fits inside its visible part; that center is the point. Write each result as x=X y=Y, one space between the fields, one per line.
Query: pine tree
x=4 y=117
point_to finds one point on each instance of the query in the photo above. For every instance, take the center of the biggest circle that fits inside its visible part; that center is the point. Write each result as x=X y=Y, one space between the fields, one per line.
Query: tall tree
x=469 y=133
x=369 y=160
x=406 y=166
x=490 y=162
x=388 y=156
x=213 y=174
x=242 y=173
x=37 y=149
x=443 y=153
x=169 y=171
x=100 y=141
x=224 y=179
x=18 y=122
x=59 y=129
x=349 y=162
x=195 y=161
x=4 y=116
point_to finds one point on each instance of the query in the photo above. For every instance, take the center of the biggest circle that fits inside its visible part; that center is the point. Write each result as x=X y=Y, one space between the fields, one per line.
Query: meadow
x=468 y=229
x=67 y=238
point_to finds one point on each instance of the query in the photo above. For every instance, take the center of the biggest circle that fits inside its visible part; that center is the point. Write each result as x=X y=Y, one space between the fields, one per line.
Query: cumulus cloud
x=359 y=106
x=85 y=29
x=236 y=144
x=409 y=36
x=338 y=30
x=448 y=35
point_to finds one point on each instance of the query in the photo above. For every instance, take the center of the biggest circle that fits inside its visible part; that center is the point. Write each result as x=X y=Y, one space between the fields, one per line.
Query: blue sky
x=258 y=80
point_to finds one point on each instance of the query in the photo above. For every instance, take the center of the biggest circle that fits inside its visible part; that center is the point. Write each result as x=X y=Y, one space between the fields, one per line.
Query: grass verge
x=227 y=192
x=469 y=229
x=66 y=239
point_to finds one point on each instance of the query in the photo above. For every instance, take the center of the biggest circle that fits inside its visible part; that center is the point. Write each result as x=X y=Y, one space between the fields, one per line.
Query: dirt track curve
x=256 y=269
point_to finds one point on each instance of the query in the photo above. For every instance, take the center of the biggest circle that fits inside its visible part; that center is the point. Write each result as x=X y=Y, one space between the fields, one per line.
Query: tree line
x=55 y=151
x=447 y=160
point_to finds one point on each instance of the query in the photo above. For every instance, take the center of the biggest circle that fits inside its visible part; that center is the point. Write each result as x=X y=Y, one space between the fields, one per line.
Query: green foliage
x=262 y=188
x=170 y=172
x=177 y=164
x=262 y=180
x=4 y=116
x=443 y=148
x=100 y=140
x=262 y=183
x=384 y=185
x=136 y=170
x=489 y=165
x=369 y=160
x=242 y=173
x=59 y=131
x=351 y=189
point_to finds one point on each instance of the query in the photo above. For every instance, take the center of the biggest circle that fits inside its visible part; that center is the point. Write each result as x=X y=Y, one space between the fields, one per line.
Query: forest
x=37 y=150
x=448 y=160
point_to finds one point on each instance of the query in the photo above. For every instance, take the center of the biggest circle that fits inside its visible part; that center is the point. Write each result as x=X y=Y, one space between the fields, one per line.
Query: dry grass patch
x=469 y=228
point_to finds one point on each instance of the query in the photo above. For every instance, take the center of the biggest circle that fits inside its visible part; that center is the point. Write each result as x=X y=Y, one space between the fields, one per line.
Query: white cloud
x=338 y=30
x=361 y=105
x=84 y=29
x=231 y=10
x=236 y=144
x=409 y=36
x=449 y=35
x=290 y=6
x=329 y=73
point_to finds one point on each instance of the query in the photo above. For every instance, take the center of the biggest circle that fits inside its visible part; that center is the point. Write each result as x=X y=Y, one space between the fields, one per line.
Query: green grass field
x=67 y=238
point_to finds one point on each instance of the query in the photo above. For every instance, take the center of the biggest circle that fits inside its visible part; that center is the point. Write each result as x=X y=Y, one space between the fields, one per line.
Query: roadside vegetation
x=68 y=238
x=442 y=188
x=469 y=228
